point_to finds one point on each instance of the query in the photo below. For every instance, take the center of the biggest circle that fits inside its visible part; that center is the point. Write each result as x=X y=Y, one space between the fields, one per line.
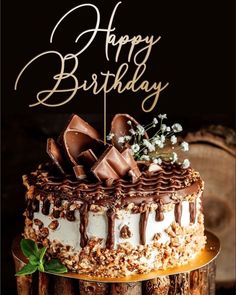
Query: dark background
x=195 y=55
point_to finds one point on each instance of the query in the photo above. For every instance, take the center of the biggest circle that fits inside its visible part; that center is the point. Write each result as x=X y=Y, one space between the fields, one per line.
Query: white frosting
x=68 y=232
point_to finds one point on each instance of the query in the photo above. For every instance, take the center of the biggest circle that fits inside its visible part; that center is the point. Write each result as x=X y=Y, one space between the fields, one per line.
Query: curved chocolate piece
x=55 y=154
x=76 y=142
x=78 y=124
x=120 y=128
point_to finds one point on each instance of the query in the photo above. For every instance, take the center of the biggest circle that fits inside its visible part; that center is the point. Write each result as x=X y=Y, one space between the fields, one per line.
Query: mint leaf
x=55 y=266
x=27 y=270
x=29 y=247
x=41 y=267
x=42 y=252
x=33 y=260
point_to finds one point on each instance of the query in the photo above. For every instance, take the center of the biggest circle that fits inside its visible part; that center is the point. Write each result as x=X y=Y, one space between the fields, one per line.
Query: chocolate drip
x=178 y=212
x=143 y=225
x=111 y=225
x=83 y=225
x=46 y=206
x=192 y=210
x=159 y=211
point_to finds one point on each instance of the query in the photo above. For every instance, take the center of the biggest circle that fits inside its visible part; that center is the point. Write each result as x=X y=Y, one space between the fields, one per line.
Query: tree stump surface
x=195 y=281
x=213 y=153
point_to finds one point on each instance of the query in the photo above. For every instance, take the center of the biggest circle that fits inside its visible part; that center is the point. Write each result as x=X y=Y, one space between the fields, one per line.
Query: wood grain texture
x=213 y=154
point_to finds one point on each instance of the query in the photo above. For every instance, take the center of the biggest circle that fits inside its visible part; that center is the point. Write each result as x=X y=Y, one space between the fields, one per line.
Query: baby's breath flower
x=155 y=121
x=177 y=127
x=121 y=139
x=145 y=158
x=150 y=146
x=173 y=139
x=168 y=129
x=163 y=138
x=140 y=130
x=164 y=116
x=163 y=127
x=184 y=146
x=157 y=161
x=127 y=137
x=185 y=164
x=131 y=131
x=135 y=148
x=110 y=136
x=129 y=122
x=174 y=158
x=159 y=143
x=145 y=151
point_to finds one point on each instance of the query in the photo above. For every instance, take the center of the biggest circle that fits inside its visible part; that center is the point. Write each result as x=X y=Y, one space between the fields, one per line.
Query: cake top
x=129 y=167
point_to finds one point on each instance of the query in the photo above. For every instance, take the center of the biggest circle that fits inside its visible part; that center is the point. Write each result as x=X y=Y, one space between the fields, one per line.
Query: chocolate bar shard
x=79 y=172
x=121 y=128
x=55 y=154
x=76 y=142
x=87 y=158
x=134 y=172
x=111 y=165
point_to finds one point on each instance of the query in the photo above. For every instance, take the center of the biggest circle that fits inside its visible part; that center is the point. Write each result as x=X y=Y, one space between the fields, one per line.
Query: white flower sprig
x=162 y=146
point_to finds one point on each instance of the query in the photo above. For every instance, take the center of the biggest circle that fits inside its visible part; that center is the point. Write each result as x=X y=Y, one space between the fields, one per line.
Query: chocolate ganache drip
x=192 y=209
x=143 y=225
x=178 y=212
x=83 y=225
x=111 y=228
x=159 y=211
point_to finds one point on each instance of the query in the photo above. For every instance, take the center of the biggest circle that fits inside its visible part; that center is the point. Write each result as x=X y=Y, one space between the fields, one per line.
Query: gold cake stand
x=202 y=261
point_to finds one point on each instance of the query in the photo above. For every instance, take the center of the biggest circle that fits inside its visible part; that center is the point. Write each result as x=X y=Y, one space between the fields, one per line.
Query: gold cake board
x=205 y=258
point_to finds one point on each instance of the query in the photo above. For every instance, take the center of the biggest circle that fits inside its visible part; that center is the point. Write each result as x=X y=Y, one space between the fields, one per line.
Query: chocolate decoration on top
x=54 y=153
x=76 y=142
x=111 y=165
x=120 y=128
x=87 y=153
x=76 y=123
x=134 y=172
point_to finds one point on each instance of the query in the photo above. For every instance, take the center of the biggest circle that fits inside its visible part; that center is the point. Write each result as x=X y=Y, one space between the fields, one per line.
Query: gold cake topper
x=139 y=50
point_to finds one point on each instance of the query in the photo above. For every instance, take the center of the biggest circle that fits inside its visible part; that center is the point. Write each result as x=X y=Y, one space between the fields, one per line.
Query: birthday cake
x=116 y=207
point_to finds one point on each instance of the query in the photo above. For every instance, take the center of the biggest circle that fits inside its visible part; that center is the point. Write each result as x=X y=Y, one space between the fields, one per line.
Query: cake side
x=120 y=230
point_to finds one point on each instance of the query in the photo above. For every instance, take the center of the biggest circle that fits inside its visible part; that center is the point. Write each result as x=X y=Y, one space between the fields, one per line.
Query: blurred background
x=196 y=55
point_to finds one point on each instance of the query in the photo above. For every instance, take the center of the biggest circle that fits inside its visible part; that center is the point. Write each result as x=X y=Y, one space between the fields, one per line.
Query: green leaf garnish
x=27 y=270
x=42 y=252
x=37 y=260
x=55 y=266
x=29 y=247
x=33 y=260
